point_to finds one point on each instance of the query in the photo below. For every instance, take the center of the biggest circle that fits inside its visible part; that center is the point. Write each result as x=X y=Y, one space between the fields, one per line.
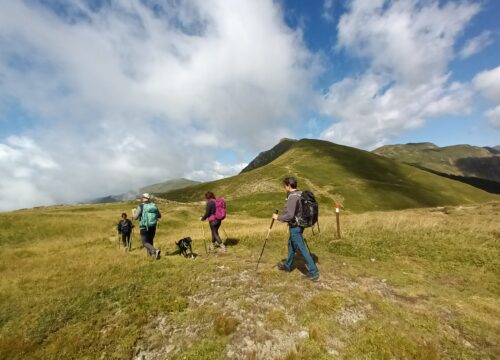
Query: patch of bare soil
x=242 y=302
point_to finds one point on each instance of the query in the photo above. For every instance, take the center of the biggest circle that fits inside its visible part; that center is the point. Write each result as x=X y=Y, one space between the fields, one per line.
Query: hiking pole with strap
x=204 y=242
x=265 y=242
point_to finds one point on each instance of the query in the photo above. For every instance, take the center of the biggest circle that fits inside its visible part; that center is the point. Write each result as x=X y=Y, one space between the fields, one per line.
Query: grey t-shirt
x=292 y=207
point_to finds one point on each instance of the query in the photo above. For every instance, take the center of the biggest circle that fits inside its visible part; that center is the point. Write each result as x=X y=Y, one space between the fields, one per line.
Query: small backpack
x=220 y=209
x=308 y=215
x=125 y=227
x=149 y=215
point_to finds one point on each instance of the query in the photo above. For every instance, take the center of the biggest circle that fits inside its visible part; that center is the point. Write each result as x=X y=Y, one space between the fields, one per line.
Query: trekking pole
x=337 y=212
x=265 y=242
x=225 y=233
x=204 y=242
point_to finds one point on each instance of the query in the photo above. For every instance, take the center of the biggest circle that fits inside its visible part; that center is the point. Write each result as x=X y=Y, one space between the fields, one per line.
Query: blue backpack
x=149 y=215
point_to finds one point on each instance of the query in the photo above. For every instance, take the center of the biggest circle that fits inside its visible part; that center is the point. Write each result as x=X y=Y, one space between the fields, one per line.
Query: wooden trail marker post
x=337 y=215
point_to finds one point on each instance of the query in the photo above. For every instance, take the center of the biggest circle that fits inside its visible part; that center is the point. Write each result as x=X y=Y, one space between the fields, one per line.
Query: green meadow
x=408 y=284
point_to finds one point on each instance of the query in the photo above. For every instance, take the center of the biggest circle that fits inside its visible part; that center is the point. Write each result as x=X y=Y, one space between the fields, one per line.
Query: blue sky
x=98 y=97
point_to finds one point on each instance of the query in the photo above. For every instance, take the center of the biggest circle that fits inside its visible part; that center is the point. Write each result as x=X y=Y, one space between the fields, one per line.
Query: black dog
x=185 y=245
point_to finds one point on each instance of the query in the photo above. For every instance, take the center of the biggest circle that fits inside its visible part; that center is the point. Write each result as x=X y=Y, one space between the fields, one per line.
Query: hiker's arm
x=137 y=213
x=120 y=227
x=210 y=209
x=289 y=210
x=159 y=213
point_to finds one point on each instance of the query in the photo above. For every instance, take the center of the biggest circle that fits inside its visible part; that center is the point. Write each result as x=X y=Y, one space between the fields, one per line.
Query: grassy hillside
x=463 y=160
x=360 y=180
x=414 y=284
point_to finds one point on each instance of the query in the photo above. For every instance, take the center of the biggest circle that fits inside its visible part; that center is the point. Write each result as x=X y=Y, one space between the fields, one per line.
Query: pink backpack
x=220 y=210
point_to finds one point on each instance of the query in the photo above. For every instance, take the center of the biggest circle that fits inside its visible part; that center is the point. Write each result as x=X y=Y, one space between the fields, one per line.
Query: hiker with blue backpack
x=148 y=214
x=301 y=211
x=215 y=212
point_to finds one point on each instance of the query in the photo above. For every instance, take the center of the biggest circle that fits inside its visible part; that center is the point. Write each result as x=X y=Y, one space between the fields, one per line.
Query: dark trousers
x=147 y=237
x=126 y=239
x=214 y=227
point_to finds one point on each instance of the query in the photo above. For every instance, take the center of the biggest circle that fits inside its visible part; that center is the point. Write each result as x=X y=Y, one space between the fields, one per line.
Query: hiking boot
x=314 y=278
x=157 y=254
x=282 y=267
x=222 y=247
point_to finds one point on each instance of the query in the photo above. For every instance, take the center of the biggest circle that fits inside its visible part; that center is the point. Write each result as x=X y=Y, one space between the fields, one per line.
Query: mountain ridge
x=458 y=160
x=360 y=180
x=265 y=157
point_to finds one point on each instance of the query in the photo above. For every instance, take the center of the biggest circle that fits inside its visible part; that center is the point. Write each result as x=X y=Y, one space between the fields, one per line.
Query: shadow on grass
x=231 y=242
x=299 y=262
x=178 y=252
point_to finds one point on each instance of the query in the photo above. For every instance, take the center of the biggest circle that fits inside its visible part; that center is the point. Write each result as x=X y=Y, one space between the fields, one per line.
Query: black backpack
x=308 y=215
x=126 y=226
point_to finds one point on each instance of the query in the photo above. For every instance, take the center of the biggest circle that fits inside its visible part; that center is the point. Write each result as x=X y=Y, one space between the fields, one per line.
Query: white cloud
x=126 y=94
x=476 y=44
x=488 y=84
x=216 y=170
x=494 y=117
x=408 y=45
x=21 y=160
x=328 y=8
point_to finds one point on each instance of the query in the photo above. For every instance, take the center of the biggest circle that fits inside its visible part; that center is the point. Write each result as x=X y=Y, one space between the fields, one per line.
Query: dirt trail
x=244 y=303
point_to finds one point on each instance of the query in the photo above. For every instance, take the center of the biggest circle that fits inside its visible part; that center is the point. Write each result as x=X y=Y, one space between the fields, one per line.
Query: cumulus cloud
x=476 y=44
x=216 y=170
x=21 y=159
x=328 y=8
x=130 y=92
x=407 y=46
x=488 y=84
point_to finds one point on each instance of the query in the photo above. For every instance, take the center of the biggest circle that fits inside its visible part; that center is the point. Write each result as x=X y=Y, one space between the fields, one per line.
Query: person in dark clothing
x=125 y=229
x=148 y=214
x=212 y=221
x=296 y=239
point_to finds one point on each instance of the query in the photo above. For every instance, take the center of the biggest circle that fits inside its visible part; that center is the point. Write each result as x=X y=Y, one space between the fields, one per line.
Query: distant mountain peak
x=270 y=155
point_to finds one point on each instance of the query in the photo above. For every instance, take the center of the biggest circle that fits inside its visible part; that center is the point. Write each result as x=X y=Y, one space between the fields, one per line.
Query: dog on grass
x=185 y=245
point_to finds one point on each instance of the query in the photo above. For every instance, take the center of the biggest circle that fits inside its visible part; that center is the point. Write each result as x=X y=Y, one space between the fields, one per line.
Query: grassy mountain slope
x=360 y=180
x=268 y=156
x=462 y=160
x=414 y=284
